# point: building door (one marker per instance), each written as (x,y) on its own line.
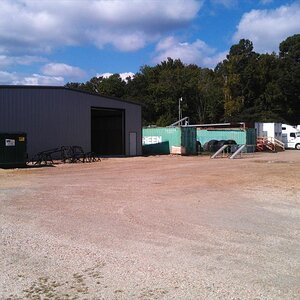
(107,131)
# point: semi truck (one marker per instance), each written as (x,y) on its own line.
(291,136)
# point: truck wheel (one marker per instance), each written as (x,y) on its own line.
(297,146)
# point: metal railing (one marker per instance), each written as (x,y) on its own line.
(231,151)
(269,143)
(180,122)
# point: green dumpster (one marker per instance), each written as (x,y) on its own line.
(13,150)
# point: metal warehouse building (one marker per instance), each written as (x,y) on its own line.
(58,116)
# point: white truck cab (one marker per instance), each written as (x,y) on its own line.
(291,136)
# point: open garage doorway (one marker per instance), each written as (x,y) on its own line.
(107,131)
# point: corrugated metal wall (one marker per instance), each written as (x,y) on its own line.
(241,137)
(53,117)
(159,140)
(204,136)
(251,136)
(189,139)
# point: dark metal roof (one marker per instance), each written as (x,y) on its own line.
(66,89)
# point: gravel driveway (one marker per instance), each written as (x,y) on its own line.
(162,227)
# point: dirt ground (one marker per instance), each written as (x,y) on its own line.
(162,227)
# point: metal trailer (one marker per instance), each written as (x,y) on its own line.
(242,136)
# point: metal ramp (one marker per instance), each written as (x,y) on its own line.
(238,151)
(221,150)
(232,155)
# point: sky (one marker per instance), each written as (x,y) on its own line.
(52,42)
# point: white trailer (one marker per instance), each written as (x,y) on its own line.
(270,130)
(269,137)
(291,136)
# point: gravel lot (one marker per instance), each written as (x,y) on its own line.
(163,227)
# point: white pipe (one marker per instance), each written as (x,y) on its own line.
(219,151)
(237,151)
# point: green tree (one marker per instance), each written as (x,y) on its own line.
(246,86)
(159,88)
(113,85)
(268,104)
(289,80)
(240,83)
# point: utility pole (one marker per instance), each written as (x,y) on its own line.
(179,110)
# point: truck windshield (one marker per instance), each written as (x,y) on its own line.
(298,134)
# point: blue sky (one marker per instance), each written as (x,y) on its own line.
(51,42)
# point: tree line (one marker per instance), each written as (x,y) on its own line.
(246,86)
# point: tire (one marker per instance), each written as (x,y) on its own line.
(205,147)
(221,143)
(213,145)
(231,142)
(297,146)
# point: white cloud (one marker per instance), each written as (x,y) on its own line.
(7,78)
(197,52)
(212,61)
(122,75)
(34,79)
(20,60)
(226,3)
(268,28)
(264,2)
(52,73)
(60,69)
(37,79)
(126,24)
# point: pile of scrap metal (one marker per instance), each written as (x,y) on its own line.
(64,154)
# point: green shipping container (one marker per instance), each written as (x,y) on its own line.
(241,137)
(159,140)
(13,150)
